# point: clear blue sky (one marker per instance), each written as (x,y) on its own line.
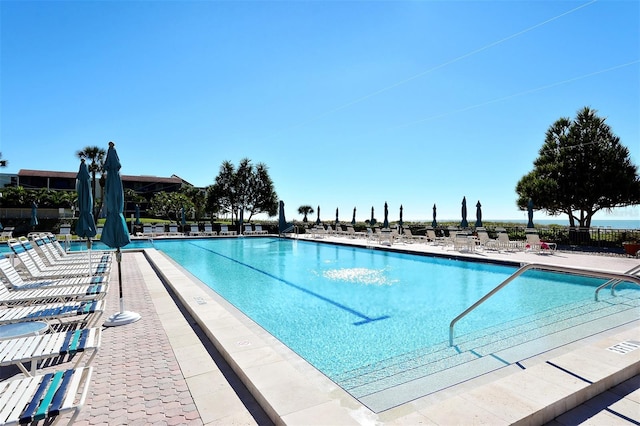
(349,103)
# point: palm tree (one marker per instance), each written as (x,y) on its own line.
(97,156)
(3,163)
(305,210)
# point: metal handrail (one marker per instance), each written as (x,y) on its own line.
(615,282)
(553,268)
(293,228)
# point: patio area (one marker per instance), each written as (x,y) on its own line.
(193,359)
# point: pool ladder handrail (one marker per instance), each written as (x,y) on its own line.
(614,282)
(553,268)
(293,228)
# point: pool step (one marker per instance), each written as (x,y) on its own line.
(432,369)
(544,391)
(478,339)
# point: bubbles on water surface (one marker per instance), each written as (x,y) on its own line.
(359,276)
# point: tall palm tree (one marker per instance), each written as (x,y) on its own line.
(96,156)
(305,210)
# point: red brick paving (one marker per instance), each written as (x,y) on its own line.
(136,379)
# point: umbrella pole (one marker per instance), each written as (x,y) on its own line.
(123,317)
(118,261)
(89,255)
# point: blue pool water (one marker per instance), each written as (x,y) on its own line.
(342,307)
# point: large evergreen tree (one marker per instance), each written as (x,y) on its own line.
(582,168)
(247,188)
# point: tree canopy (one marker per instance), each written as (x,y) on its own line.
(18,196)
(247,188)
(169,205)
(305,210)
(581,168)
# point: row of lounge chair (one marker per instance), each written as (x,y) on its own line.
(159,230)
(460,240)
(69,301)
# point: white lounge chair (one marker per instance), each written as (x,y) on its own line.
(6,233)
(411,237)
(259,231)
(432,237)
(37,268)
(385,236)
(147,231)
(44,397)
(504,243)
(349,231)
(158,230)
(77,311)
(194,230)
(208,229)
(485,241)
(70,345)
(65,229)
(173,230)
(535,244)
(224,230)
(14,280)
(318,231)
(463,242)
(248,229)
(59,252)
(44,248)
(50,294)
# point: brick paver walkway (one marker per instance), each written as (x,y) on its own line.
(136,379)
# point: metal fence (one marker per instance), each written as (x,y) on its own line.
(597,237)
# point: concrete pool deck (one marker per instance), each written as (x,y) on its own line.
(163,370)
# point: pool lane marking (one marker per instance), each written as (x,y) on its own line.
(365,319)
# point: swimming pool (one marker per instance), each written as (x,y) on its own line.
(371,319)
(374,320)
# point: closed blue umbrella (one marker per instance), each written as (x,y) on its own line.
(478,215)
(337,220)
(283,226)
(385,223)
(86,225)
(353,220)
(434,223)
(530,213)
(34,214)
(464,223)
(318,219)
(115,233)
(137,215)
(400,222)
